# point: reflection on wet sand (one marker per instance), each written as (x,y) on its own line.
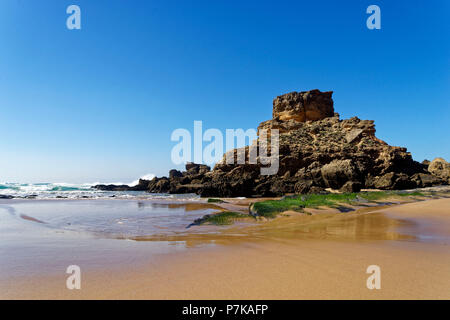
(153,221)
(357,225)
(187,206)
(25,217)
(371,226)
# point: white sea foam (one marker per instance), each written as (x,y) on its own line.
(148,176)
(77,191)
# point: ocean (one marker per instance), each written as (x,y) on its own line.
(77,191)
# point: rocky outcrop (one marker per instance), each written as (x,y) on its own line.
(189,181)
(115,187)
(317,150)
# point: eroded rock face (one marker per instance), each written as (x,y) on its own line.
(317,150)
(338,172)
(440,168)
(303,106)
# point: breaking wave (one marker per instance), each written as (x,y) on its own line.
(75,191)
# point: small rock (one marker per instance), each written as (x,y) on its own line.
(351,186)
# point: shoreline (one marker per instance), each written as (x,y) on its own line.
(243,205)
(286,258)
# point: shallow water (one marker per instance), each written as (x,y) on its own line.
(168,221)
(46,236)
(143,216)
(110,218)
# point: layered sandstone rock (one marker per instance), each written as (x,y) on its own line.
(303,106)
(317,150)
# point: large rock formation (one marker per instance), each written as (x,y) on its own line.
(317,150)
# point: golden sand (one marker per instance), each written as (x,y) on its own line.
(322,256)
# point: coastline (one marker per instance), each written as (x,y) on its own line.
(213,157)
(279,259)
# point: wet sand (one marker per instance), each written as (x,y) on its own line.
(324,256)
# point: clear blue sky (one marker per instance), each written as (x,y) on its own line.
(100,103)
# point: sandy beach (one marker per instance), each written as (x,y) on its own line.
(296,257)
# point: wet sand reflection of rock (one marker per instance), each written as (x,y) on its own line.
(332,226)
(187,206)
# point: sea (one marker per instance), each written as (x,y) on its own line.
(77,191)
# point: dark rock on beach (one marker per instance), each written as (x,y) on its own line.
(317,150)
(174,174)
(113,187)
